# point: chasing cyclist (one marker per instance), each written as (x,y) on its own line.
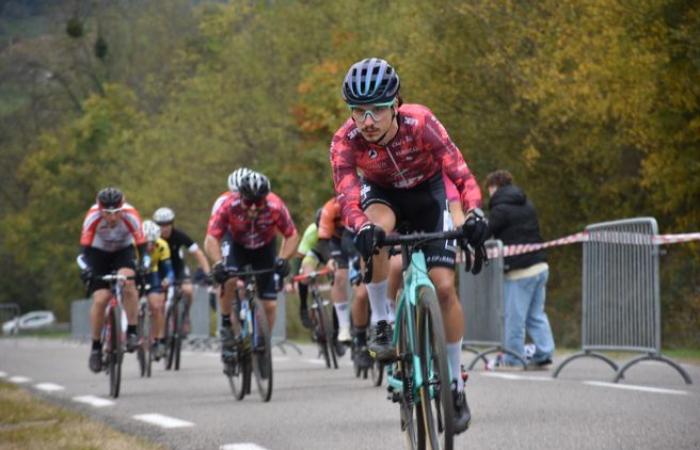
(402,151)
(158,262)
(179,242)
(110,231)
(253,216)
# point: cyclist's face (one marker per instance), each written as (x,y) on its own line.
(252,207)
(111,216)
(165,230)
(373,121)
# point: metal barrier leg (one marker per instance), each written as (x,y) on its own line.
(653,357)
(482,355)
(283,343)
(585,353)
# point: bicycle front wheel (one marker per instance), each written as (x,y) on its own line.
(262,352)
(237,372)
(435,394)
(142,351)
(170,336)
(115,353)
(403,369)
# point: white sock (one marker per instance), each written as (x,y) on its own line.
(454,356)
(377,299)
(341,309)
(391,310)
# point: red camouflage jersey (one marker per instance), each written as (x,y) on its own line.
(98,234)
(419,150)
(251,231)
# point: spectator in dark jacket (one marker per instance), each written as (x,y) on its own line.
(513,220)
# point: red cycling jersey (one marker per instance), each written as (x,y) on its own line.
(419,150)
(331,223)
(98,234)
(251,231)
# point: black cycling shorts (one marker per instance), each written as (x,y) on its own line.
(104,263)
(259,258)
(423,208)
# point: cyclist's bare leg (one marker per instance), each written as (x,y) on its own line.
(339,296)
(131,297)
(187,292)
(395,281)
(156,302)
(360,307)
(270,307)
(443,279)
(97,311)
(225,302)
(381,215)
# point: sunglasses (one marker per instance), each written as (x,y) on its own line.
(252,204)
(111,211)
(360,113)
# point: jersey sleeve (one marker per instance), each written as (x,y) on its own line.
(87,235)
(308,240)
(452,162)
(347,183)
(284,222)
(326,226)
(133,222)
(218,222)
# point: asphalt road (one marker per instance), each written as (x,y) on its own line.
(316,408)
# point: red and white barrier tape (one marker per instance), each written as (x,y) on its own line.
(610,237)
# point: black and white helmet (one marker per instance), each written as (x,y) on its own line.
(234,180)
(164,216)
(151,230)
(110,198)
(254,186)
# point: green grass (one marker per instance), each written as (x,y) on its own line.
(28,422)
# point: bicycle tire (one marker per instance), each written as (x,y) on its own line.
(115,359)
(435,394)
(141,352)
(262,358)
(149,343)
(236,377)
(320,330)
(170,336)
(376,373)
(178,339)
(409,414)
(327,317)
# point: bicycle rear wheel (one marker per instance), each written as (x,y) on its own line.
(435,394)
(411,415)
(178,337)
(236,372)
(115,353)
(262,352)
(377,373)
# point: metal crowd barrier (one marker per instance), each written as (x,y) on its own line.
(482,305)
(8,312)
(279,331)
(621,309)
(80,320)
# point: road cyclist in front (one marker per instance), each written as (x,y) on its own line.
(402,151)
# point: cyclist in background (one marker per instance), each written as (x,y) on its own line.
(160,275)
(253,216)
(110,231)
(402,151)
(179,242)
(310,260)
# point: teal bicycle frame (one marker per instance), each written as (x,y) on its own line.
(414,277)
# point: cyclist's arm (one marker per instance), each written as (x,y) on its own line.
(167,266)
(212,246)
(289,245)
(452,162)
(201,260)
(347,183)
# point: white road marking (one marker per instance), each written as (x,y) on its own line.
(163,421)
(512,376)
(244,446)
(636,388)
(92,400)
(19,379)
(280,358)
(3,374)
(49,387)
(316,361)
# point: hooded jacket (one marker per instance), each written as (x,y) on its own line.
(513,220)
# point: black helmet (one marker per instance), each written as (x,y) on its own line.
(110,198)
(254,186)
(371,80)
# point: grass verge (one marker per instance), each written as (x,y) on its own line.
(27,422)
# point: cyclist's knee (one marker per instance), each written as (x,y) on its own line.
(446,293)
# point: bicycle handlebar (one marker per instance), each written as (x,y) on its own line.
(407,239)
